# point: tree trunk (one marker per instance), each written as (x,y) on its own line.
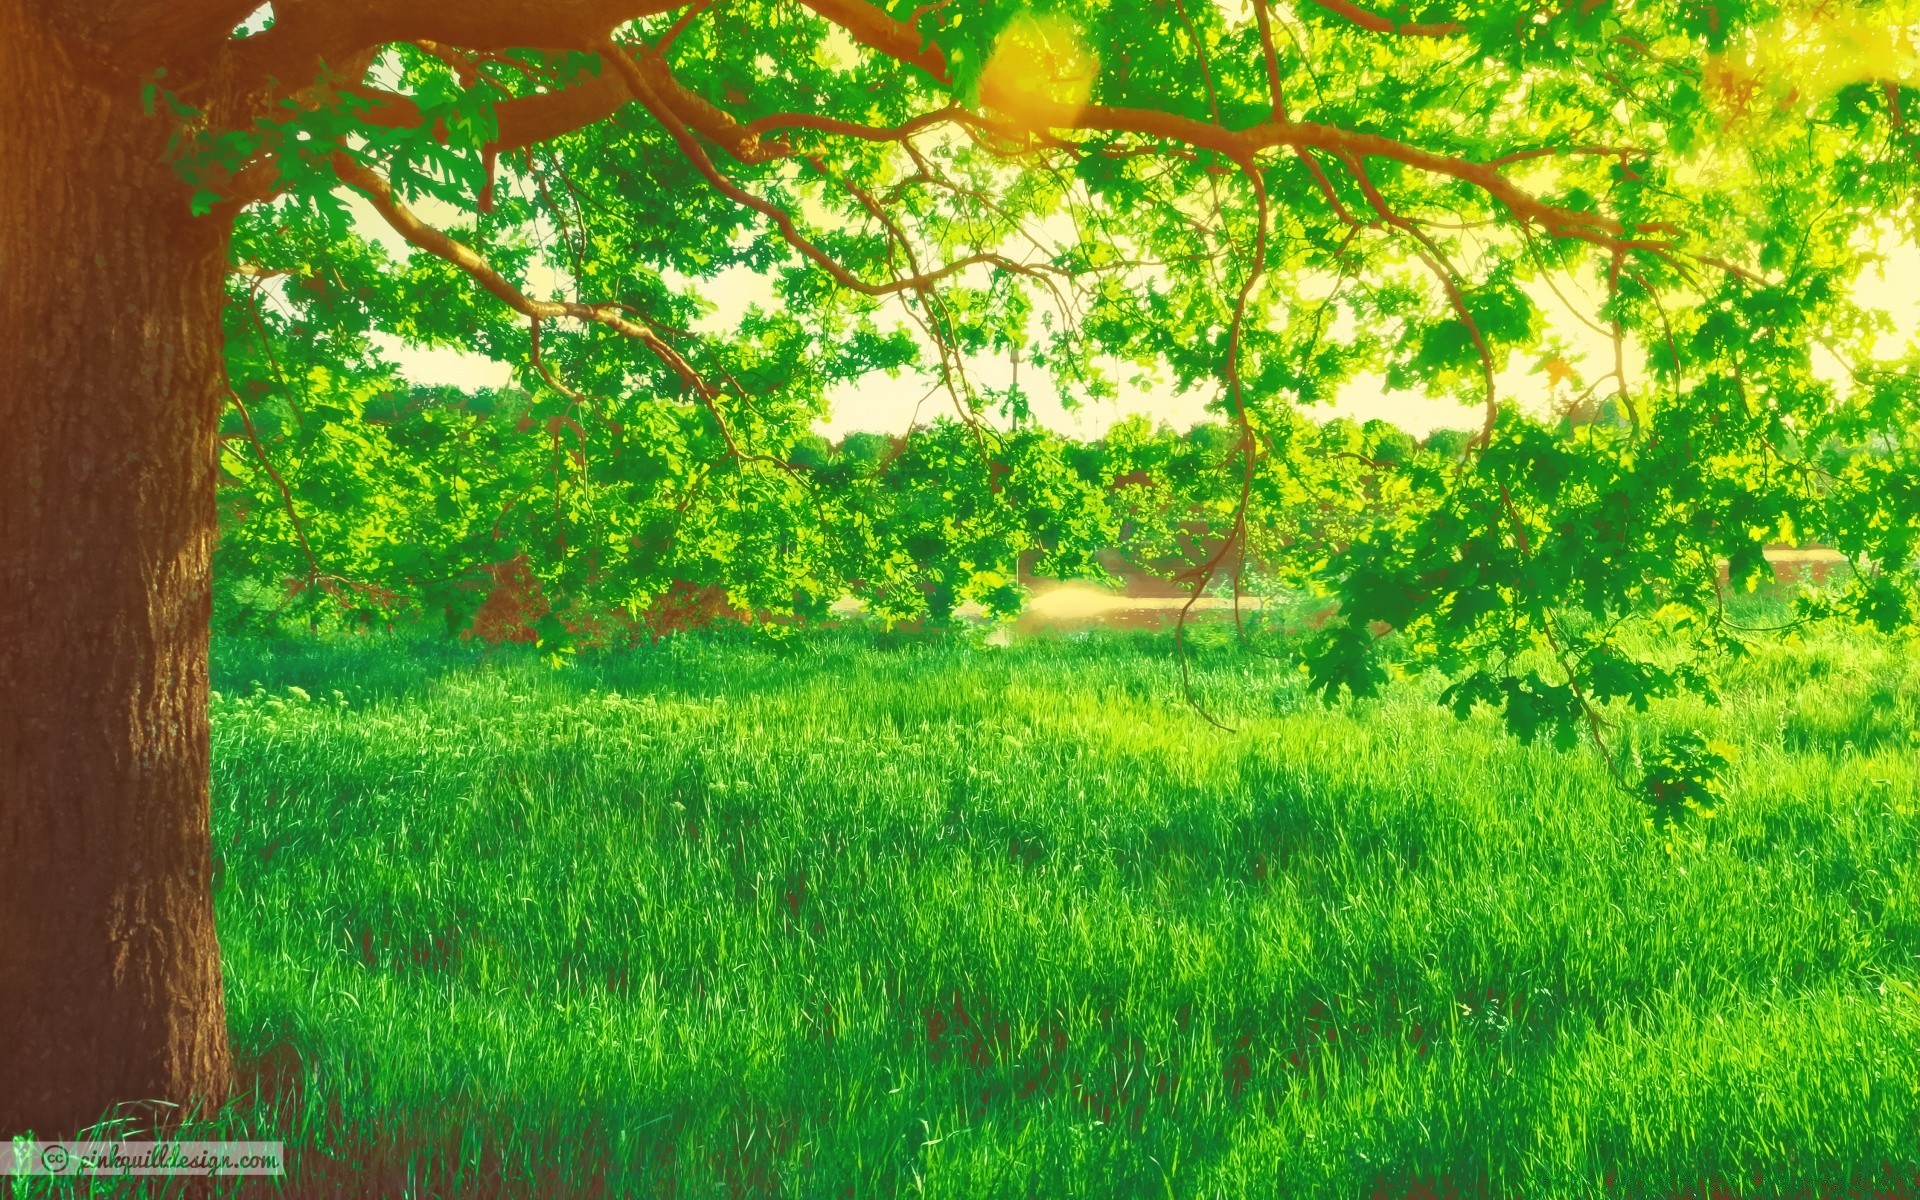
(111,386)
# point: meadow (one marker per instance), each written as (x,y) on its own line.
(858,916)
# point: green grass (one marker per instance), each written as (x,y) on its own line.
(849,920)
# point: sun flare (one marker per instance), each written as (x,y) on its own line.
(1040,74)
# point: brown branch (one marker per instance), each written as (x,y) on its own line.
(663,111)
(1546,274)
(1200,53)
(1443,270)
(1595,723)
(1249,446)
(1326,189)
(1379,24)
(1272,56)
(575,399)
(289,55)
(286,495)
(527,120)
(706,394)
(1623,153)
(521,121)
(1673,347)
(266,348)
(1618,336)
(950,114)
(939,324)
(696,112)
(870,25)
(1242,145)
(679,25)
(380,194)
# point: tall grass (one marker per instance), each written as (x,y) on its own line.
(844,919)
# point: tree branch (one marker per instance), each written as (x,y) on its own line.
(643,90)
(1242,145)
(1449,278)
(280,484)
(528,120)
(380,194)
(1379,24)
(307,33)
(869,25)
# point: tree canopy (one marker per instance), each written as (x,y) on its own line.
(1262,199)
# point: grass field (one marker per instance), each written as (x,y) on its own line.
(844,919)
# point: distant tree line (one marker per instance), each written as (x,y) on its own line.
(496,517)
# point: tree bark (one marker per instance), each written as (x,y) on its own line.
(111,386)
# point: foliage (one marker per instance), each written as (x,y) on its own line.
(1264,202)
(1687,778)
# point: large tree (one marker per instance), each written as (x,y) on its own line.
(1266,197)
